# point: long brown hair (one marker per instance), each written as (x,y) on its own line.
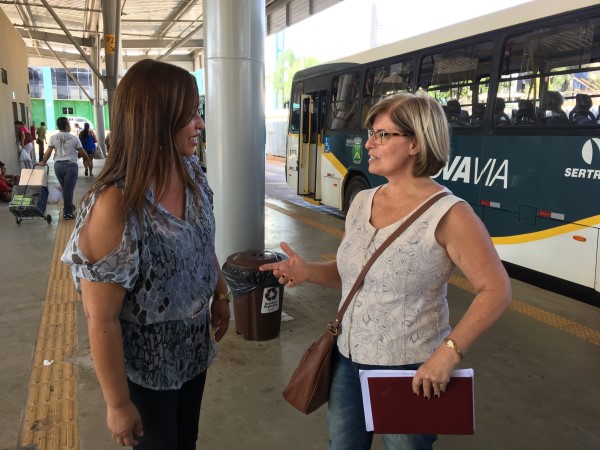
(153,101)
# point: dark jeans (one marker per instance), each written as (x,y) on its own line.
(67,173)
(170,418)
(40,149)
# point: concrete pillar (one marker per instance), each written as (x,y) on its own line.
(235,121)
(98,103)
(111,15)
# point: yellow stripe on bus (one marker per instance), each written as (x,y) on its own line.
(336,163)
(557,231)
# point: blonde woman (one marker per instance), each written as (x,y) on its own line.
(399,318)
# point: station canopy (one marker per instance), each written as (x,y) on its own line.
(170,30)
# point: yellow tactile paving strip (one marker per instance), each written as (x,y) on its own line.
(539,314)
(50,418)
(562,323)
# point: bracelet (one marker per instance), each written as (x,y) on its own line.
(222,296)
(451,344)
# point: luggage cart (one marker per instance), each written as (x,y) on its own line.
(29,200)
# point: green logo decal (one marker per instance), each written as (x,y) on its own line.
(357,151)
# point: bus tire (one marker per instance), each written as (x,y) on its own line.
(354,186)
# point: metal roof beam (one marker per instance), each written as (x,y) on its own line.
(178,44)
(75,58)
(53,37)
(176,15)
(160,43)
(46,53)
(40,5)
(68,33)
(170,58)
(91,42)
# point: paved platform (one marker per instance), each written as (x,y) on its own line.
(536,371)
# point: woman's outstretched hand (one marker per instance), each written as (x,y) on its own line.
(291,272)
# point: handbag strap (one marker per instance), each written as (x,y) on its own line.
(333,327)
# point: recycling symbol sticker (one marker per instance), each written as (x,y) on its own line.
(270,301)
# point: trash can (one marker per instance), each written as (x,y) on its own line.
(257,296)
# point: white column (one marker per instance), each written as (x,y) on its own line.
(235,121)
(98,101)
(111,15)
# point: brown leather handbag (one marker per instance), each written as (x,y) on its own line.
(308,388)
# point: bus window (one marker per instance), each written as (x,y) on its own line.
(386,80)
(344,101)
(295,109)
(546,69)
(460,79)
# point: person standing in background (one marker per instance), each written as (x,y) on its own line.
(41,140)
(32,129)
(66,167)
(107,142)
(24,142)
(88,140)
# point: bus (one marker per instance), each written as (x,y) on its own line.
(520,89)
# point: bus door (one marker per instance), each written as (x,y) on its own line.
(308,144)
(319,107)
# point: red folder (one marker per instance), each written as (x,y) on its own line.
(395,409)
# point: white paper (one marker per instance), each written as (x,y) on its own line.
(364,376)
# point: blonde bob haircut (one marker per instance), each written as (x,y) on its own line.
(423,118)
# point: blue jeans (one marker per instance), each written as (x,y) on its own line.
(346,418)
(66,172)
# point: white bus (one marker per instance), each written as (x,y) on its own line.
(521,89)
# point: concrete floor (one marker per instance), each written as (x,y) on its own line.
(536,371)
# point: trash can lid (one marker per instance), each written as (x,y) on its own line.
(252,259)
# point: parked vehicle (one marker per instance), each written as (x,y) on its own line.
(80,121)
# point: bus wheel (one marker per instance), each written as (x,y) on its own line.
(354,186)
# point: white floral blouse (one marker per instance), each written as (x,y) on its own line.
(400,314)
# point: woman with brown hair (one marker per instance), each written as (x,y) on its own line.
(143,255)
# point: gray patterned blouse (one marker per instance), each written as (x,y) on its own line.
(167,267)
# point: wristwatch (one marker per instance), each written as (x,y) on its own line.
(223,296)
(451,344)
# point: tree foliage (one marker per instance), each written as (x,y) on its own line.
(287,65)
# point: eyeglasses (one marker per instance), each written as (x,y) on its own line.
(383,134)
